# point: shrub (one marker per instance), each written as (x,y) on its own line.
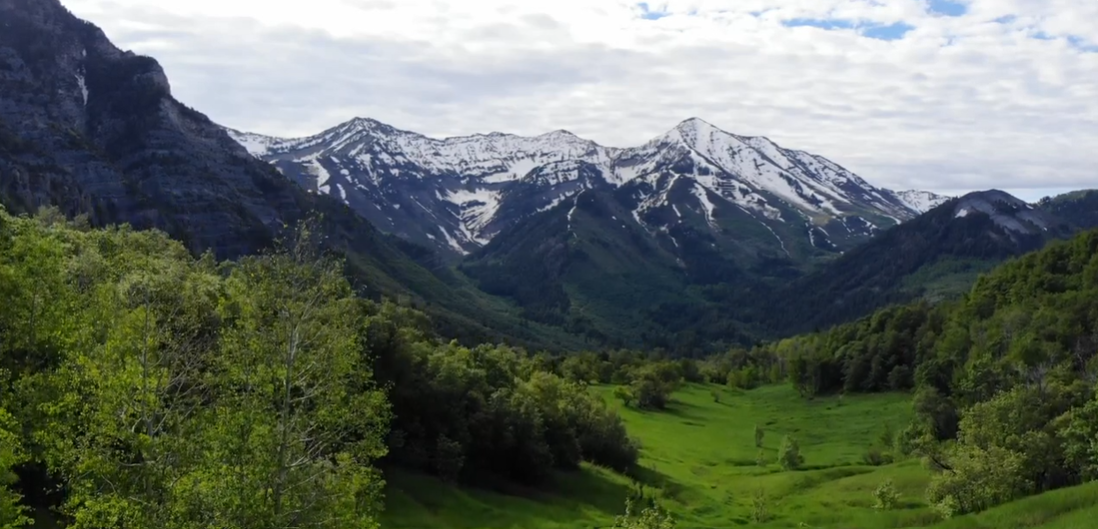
(760,508)
(760,458)
(789,455)
(886,496)
(877,457)
(647,518)
(946,507)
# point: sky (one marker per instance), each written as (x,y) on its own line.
(942,95)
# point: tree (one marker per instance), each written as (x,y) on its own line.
(297,423)
(625,395)
(759,434)
(789,455)
(121,441)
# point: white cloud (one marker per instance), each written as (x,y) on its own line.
(1002,96)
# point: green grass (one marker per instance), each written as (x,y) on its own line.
(699,456)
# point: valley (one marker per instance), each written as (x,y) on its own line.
(700,460)
(370,327)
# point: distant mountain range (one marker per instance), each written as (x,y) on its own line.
(457,194)
(694,241)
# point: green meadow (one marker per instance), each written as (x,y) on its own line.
(699,460)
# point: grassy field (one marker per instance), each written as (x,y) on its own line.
(699,457)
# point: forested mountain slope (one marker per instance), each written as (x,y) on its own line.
(1008,371)
(937,255)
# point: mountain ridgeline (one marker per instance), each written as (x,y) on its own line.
(693,241)
(620,246)
(457,194)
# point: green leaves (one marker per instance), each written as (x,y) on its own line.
(167,392)
(12,514)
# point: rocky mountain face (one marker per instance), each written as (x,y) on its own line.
(95,130)
(457,194)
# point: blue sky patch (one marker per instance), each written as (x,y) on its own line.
(874,31)
(648,13)
(818,23)
(949,8)
(1082,44)
(890,32)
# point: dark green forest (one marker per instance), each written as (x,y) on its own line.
(145,387)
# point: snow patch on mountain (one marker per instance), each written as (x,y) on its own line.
(921,201)
(703,199)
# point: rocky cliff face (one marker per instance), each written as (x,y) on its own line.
(94,129)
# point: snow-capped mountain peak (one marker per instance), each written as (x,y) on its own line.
(456,193)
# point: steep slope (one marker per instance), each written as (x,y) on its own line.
(457,194)
(95,130)
(937,254)
(1080,208)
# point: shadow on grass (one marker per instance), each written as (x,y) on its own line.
(499,504)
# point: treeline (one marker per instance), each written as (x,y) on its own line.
(471,414)
(141,386)
(1004,378)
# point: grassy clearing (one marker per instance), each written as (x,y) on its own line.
(699,457)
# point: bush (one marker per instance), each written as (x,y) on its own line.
(789,455)
(946,507)
(886,496)
(760,507)
(647,518)
(760,458)
(979,479)
(876,457)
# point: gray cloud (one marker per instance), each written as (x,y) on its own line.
(993,108)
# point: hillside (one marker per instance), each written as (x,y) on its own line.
(1079,207)
(94,130)
(937,255)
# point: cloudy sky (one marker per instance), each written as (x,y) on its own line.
(946,95)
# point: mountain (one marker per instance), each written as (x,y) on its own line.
(1078,207)
(94,130)
(921,201)
(625,246)
(457,194)
(938,254)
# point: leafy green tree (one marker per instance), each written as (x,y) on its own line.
(296,425)
(789,455)
(625,395)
